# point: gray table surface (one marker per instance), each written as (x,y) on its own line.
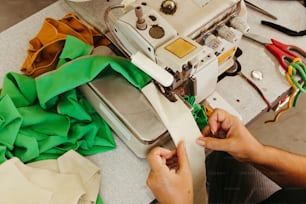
(123,174)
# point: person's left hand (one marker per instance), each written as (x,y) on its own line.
(170,178)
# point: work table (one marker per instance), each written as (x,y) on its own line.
(123,174)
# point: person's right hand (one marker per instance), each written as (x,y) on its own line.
(225,132)
(170,178)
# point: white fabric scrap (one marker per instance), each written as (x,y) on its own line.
(71,179)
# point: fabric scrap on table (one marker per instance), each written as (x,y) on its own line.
(45,48)
(70,179)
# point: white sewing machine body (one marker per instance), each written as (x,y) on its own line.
(192,42)
(190,39)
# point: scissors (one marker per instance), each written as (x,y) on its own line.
(283,52)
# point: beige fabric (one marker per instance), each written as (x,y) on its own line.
(71,179)
(16,188)
(181,125)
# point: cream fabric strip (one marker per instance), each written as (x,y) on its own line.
(72,179)
(181,125)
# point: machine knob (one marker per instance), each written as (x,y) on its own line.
(227,33)
(168,7)
(214,43)
(240,24)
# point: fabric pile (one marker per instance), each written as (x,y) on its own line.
(70,179)
(45,116)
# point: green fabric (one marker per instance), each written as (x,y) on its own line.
(198,112)
(11,121)
(45,117)
(99,200)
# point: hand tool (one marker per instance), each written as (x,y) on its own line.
(283,29)
(260,10)
(284,53)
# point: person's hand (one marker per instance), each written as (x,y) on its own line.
(225,132)
(170,178)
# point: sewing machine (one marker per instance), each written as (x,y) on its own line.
(183,45)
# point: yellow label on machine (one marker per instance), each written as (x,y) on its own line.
(226,55)
(180,47)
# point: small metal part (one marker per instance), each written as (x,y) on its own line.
(233,70)
(168,7)
(257,75)
(156,32)
(141,22)
(166,91)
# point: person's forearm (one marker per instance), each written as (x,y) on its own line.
(284,168)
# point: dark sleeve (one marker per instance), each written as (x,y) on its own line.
(287,196)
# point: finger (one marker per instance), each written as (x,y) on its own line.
(172,160)
(183,161)
(214,143)
(206,131)
(157,157)
(215,119)
(219,119)
(172,163)
(170,155)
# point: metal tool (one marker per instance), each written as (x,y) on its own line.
(260,10)
(284,53)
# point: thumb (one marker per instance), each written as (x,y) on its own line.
(214,143)
(156,158)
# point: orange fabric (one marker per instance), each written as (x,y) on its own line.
(46,47)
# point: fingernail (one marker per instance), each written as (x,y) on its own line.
(183,144)
(212,132)
(200,142)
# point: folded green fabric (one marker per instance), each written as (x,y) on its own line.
(45,117)
(198,113)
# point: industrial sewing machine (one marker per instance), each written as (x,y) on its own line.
(184,45)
